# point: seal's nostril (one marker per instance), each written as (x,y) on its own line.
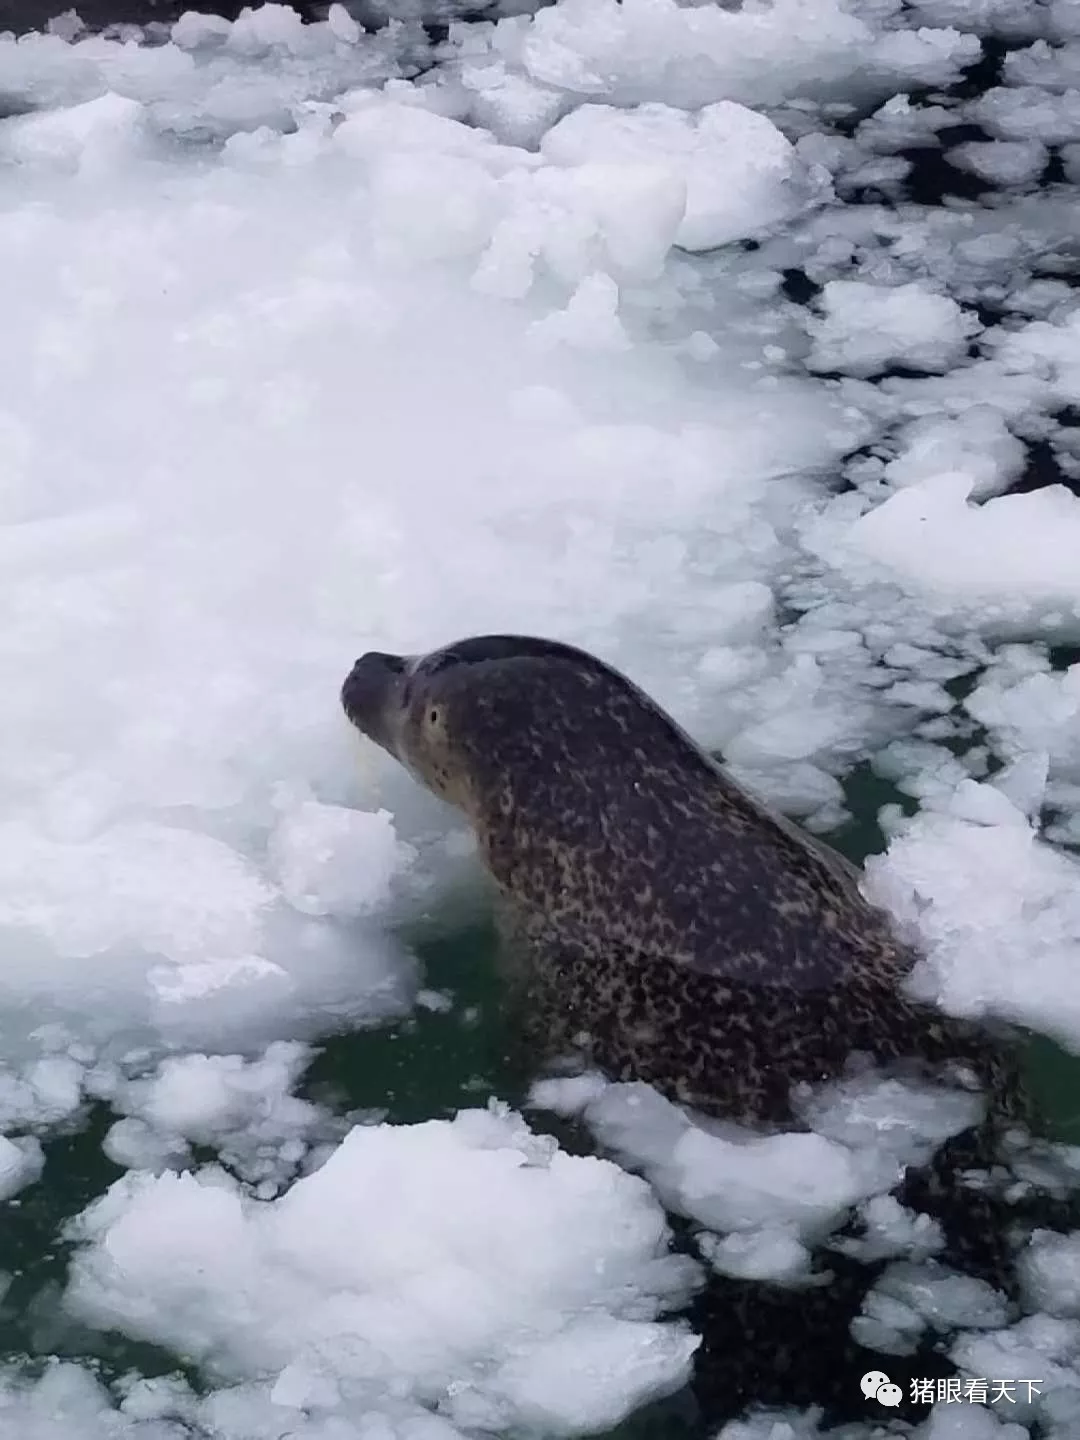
(365,689)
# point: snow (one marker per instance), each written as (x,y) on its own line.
(973,875)
(1054,67)
(1052,1273)
(21,1162)
(909,1298)
(1027,112)
(976,442)
(243,1108)
(318,340)
(415,1256)
(740,173)
(210,79)
(737,1185)
(945,1422)
(1038,1347)
(916,534)
(89,138)
(866,328)
(653,50)
(1002,162)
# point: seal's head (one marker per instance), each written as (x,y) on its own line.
(596,813)
(539,743)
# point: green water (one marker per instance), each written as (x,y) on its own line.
(429,1065)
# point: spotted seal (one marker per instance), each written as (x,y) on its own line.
(668,926)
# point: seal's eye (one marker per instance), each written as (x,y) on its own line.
(433,716)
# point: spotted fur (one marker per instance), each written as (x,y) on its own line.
(661,922)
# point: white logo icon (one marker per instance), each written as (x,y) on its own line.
(876,1385)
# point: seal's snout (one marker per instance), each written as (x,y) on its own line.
(368,690)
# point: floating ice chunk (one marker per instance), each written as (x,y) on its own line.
(741,174)
(971,877)
(741,612)
(1050,67)
(1002,162)
(616,219)
(195,31)
(1032,711)
(1050,350)
(774,1253)
(969,1422)
(1051,1273)
(264,27)
(976,443)
(212,77)
(568,1095)
(200,1095)
(342,25)
(1064,23)
(377,127)
(245,1109)
(899,125)
(441,189)
(891,1229)
(796,716)
(887,1324)
(1014,18)
(91,139)
(1005,560)
(514,108)
(171,923)
(1040,1348)
(135,1145)
(943,1299)
(63,1398)
(416,1256)
(898,1118)
(42,1093)
(739,1184)
(330,860)
(655,50)
(21,1162)
(866,328)
(945,1422)
(589,322)
(587,1378)
(429,206)
(742,1183)
(1026,112)
(172,891)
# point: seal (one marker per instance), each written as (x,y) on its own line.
(662,924)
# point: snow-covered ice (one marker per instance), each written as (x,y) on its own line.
(735,1185)
(740,173)
(245,1109)
(320,339)
(415,1257)
(866,328)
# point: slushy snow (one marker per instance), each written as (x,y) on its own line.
(414,1257)
(321,339)
(735,1185)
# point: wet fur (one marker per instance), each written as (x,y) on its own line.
(665,926)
